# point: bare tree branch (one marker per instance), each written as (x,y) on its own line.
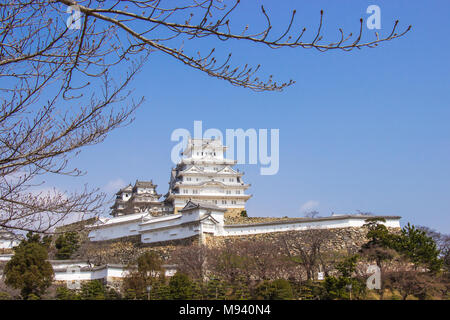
(64,88)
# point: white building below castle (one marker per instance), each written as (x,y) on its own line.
(72,272)
(201,220)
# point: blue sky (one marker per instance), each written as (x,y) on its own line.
(366,130)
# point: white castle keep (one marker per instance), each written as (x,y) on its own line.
(205,194)
(204,175)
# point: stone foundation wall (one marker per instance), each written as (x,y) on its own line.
(339,239)
(233,212)
(127,250)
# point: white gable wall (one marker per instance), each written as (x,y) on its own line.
(236,230)
(172,233)
(115,231)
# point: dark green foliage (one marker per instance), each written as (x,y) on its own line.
(47,241)
(181,287)
(66,244)
(148,273)
(244,213)
(279,289)
(446,259)
(5,296)
(419,248)
(348,266)
(197,290)
(93,290)
(215,289)
(33,296)
(112,294)
(63,293)
(412,243)
(345,286)
(309,290)
(132,294)
(29,270)
(378,234)
(336,288)
(239,290)
(160,291)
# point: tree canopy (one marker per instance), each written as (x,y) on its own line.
(29,270)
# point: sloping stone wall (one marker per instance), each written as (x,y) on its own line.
(251,220)
(233,212)
(127,250)
(340,239)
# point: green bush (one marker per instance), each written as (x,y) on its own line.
(215,289)
(181,287)
(29,270)
(343,288)
(63,293)
(66,244)
(309,290)
(93,290)
(279,289)
(5,296)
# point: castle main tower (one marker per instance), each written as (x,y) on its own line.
(204,175)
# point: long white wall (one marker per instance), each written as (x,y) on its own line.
(190,223)
(104,272)
(114,228)
(6,257)
(175,227)
(239,230)
(70,270)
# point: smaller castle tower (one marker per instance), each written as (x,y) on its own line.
(142,197)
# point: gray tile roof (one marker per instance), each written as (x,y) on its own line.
(197,204)
(144,184)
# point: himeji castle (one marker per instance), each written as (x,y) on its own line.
(206,197)
(203,175)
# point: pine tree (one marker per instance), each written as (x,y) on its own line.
(93,290)
(419,248)
(180,287)
(66,244)
(279,289)
(29,270)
